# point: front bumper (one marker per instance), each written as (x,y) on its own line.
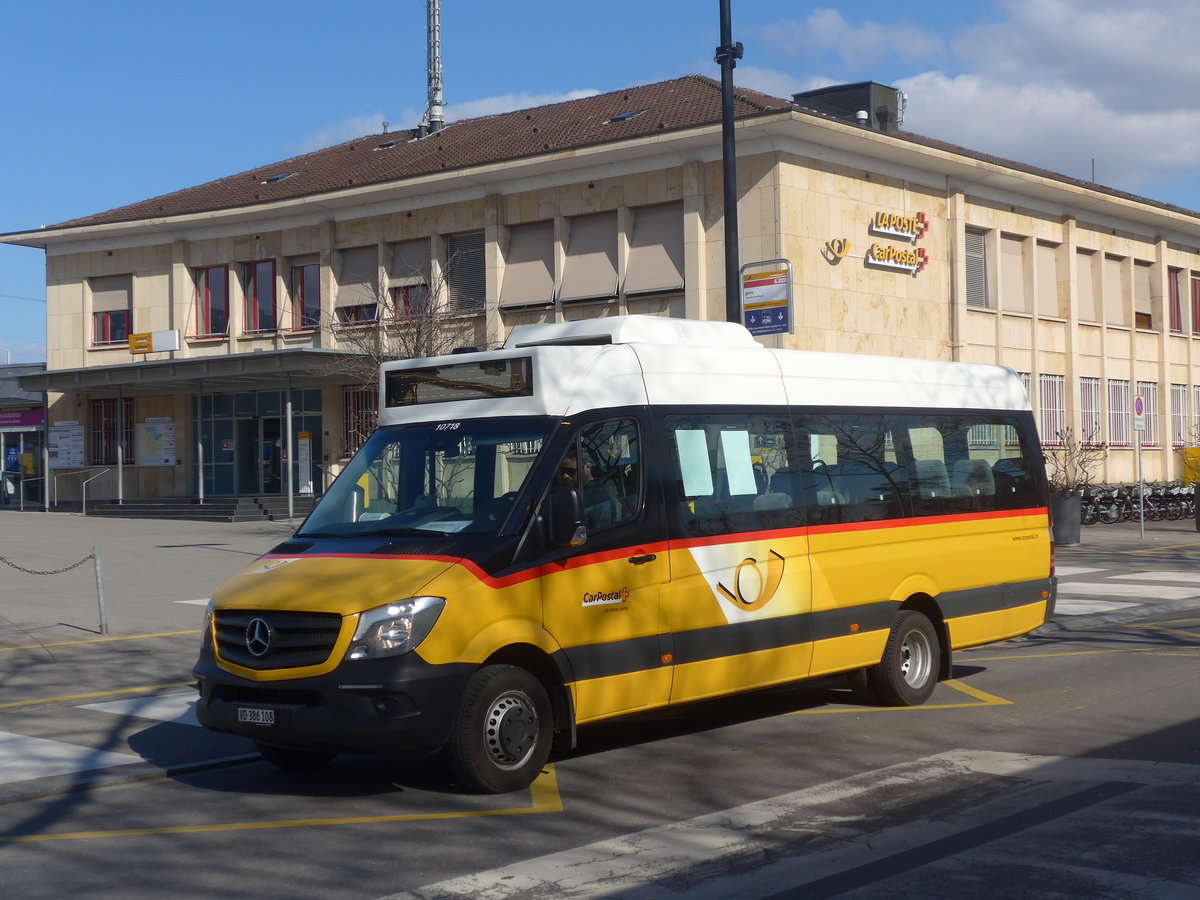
(401,704)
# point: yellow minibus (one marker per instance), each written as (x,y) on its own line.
(615,515)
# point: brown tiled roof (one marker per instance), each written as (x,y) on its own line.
(395,155)
(682,103)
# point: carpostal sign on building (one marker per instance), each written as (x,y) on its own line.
(912,228)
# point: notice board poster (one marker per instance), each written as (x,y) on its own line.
(65,446)
(155,443)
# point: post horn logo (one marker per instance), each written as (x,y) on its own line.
(766,586)
(835,249)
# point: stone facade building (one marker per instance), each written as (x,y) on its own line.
(252,296)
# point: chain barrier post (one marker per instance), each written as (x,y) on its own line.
(100,591)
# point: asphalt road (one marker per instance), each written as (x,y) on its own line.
(1065,764)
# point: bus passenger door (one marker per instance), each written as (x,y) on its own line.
(739,606)
(602,600)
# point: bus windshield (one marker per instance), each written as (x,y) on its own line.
(433,478)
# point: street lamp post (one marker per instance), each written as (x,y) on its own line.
(728,53)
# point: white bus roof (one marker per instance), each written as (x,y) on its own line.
(625,361)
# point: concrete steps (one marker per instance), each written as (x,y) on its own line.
(213,509)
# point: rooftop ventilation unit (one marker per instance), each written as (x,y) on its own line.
(865,103)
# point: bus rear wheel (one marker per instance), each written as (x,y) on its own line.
(501,738)
(908,672)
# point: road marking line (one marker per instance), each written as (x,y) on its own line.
(24,758)
(1068,606)
(1069,571)
(1108,589)
(177,708)
(99,640)
(985,699)
(544,798)
(1185,577)
(1160,549)
(132,690)
(201,602)
(710,855)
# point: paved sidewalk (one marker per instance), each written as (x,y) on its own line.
(152,571)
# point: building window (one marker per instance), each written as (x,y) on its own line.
(359,414)
(1118,413)
(260,296)
(1196,304)
(1051,298)
(1114,290)
(408,279)
(1179,415)
(108,428)
(306,296)
(359,314)
(1174,300)
(1014,296)
(1194,437)
(977,273)
(1052,421)
(1143,315)
(112,312)
(358,285)
(655,261)
(528,276)
(1089,412)
(1087,287)
(212,300)
(410,301)
(1148,391)
(466,273)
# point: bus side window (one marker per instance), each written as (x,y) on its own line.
(734,473)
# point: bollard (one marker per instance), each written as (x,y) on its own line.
(100,591)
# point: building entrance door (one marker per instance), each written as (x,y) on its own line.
(259,456)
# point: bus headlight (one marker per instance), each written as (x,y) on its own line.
(206,638)
(394,629)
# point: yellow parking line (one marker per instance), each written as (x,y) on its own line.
(99,640)
(983,698)
(544,798)
(1173,547)
(92,696)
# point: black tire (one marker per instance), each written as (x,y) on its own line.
(912,657)
(292,760)
(501,737)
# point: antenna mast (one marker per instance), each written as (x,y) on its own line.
(435,112)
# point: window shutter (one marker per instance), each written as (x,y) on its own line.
(529,265)
(976,269)
(656,249)
(466,272)
(358,277)
(590,269)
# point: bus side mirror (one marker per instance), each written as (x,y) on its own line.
(566,518)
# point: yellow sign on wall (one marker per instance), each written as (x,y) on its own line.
(141,343)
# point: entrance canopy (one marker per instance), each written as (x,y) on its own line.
(268,371)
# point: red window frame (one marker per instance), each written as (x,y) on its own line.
(206,325)
(306,309)
(110,327)
(256,298)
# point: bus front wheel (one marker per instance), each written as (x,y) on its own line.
(501,737)
(908,672)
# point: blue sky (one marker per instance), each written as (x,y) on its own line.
(108,104)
